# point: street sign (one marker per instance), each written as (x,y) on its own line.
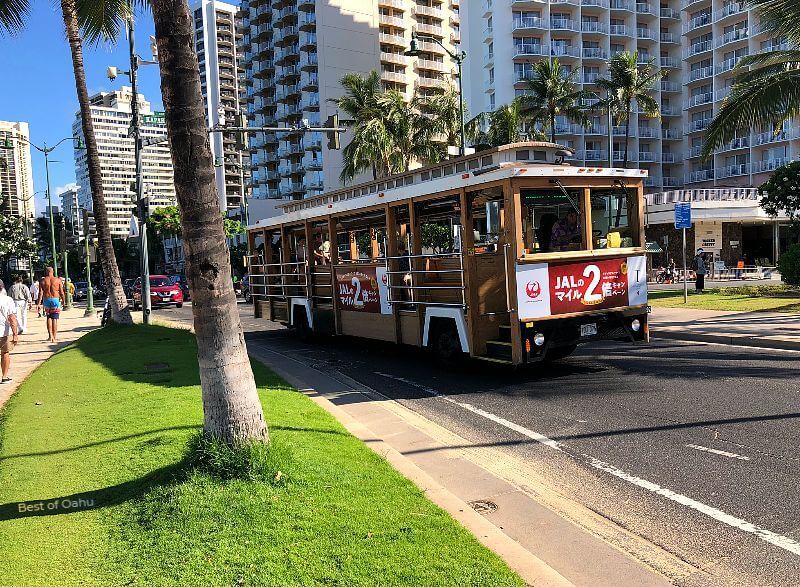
(683,215)
(154,118)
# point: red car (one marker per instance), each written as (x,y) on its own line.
(162,292)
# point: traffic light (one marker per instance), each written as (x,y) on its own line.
(241,136)
(79,143)
(334,143)
(89,225)
(6,143)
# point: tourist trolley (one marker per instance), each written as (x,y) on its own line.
(509,255)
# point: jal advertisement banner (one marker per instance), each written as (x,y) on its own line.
(362,290)
(550,289)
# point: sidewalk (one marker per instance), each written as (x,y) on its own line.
(756,329)
(33,348)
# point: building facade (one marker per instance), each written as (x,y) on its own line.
(16,173)
(111,116)
(217,42)
(295,54)
(71,208)
(697,42)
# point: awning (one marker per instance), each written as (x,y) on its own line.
(653,247)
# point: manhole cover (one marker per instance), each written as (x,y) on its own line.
(483,506)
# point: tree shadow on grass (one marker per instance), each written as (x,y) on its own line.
(101,498)
(148,354)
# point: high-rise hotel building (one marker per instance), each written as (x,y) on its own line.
(218,51)
(111,115)
(697,42)
(16,173)
(296,52)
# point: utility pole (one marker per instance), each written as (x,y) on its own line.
(46,152)
(88,222)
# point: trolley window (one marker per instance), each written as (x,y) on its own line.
(552,220)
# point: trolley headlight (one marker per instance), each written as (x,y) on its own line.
(636,325)
(538,339)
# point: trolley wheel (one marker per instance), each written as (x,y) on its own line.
(300,326)
(560,353)
(179,305)
(447,347)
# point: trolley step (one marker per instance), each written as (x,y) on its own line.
(498,349)
(505,333)
(493,360)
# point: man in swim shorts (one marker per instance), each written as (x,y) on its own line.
(51,297)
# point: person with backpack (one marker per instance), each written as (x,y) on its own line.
(700,270)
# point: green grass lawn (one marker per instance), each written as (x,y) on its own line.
(96,423)
(732,299)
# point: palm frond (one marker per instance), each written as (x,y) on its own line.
(13,14)
(102,21)
(782,17)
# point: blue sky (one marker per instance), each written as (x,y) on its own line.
(38,86)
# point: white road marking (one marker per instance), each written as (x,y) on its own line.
(712,512)
(723,453)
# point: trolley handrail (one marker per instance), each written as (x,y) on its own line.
(412,287)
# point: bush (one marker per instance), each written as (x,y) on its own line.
(254,461)
(781,192)
(789,265)
(756,291)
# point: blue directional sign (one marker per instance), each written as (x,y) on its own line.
(683,214)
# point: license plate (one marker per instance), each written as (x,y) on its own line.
(165,296)
(588,329)
(649,309)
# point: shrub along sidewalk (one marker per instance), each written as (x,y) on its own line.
(93,445)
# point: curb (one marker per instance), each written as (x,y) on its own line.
(742,340)
(528,566)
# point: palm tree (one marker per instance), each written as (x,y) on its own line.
(367,147)
(443,112)
(766,89)
(502,126)
(629,81)
(231,406)
(98,19)
(411,131)
(551,92)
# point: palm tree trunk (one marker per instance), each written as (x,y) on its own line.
(231,406)
(627,134)
(552,126)
(120,312)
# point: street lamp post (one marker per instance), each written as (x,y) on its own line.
(138,145)
(458,58)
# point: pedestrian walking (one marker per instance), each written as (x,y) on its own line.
(699,266)
(52,297)
(35,296)
(21,295)
(9,335)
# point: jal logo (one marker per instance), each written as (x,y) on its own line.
(533,289)
(385,279)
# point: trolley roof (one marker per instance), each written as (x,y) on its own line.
(528,159)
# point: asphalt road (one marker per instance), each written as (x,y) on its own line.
(693,447)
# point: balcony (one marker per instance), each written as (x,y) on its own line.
(530,22)
(622,5)
(525,50)
(394,77)
(649,132)
(698,22)
(726,65)
(620,156)
(670,87)
(596,130)
(309,81)
(700,99)
(594,3)
(420,9)
(645,34)
(391,21)
(737,143)
(670,13)
(732,37)
(669,63)
(701,73)
(733,170)
(770,137)
(568,129)
(648,157)
(432,82)
(429,29)
(564,24)
(397,58)
(307,41)
(671,134)
(565,51)
(699,125)
(308,21)
(730,10)
(668,157)
(697,49)
(620,30)
(669,38)
(645,8)
(701,175)
(432,65)
(397,40)
(308,61)
(594,53)
(594,27)
(769,165)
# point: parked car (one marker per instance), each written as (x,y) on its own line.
(162,292)
(81,291)
(184,285)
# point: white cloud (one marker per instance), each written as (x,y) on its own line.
(61,189)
